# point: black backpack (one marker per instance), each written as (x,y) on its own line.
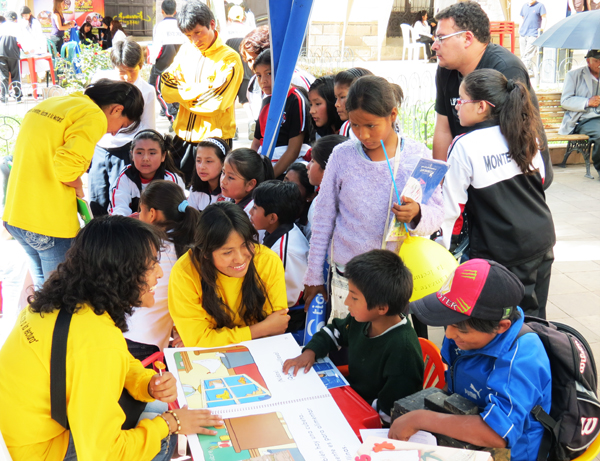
(572,424)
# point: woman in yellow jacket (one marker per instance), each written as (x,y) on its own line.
(228,288)
(111,267)
(54,148)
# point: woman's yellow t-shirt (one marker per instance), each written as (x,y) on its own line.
(195,326)
(99,366)
(55,145)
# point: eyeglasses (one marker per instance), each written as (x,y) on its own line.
(459,102)
(441,38)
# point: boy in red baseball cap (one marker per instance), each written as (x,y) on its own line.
(504,375)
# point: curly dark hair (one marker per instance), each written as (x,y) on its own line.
(217,222)
(468,16)
(256,41)
(105,269)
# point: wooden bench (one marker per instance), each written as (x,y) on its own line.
(552,114)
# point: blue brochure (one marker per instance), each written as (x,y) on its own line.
(426,176)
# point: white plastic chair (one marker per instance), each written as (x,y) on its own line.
(410,44)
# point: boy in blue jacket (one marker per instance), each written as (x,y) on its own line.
(504,376)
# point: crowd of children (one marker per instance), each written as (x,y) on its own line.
(248,237)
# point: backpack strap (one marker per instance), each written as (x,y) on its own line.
(540,414)
(58,369)
(522,332)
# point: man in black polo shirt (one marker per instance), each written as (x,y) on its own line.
(462,44)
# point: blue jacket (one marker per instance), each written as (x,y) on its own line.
(506,379)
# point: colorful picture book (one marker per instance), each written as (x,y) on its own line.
(267,415)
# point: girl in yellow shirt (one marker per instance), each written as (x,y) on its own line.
(228,288)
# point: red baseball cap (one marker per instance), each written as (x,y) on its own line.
(479,288)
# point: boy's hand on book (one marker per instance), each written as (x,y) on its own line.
(407,212)
(306,360)
(196,421)
(163,387)
(407,425)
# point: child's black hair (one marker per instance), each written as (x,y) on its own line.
(127,53)
(347,77)
(518,117)
(168,6)
(250,165)
(221,149)
(383,280)
(282,198)
(194,13)
(264,58)
(324,88)
(302,171)
(105,92)
(166,146)
(487,326)
(375,95)
(181,226)
(324,146)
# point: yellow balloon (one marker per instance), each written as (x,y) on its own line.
(429,262)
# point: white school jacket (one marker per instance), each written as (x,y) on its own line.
(291,246)
(125,193)
(153,325)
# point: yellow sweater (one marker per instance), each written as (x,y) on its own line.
(55,145)
(98,367)
(205,86)
(195,326)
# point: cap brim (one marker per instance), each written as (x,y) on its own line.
(431,311)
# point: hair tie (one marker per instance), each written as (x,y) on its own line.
(216,143)
(510,85)
(182,206)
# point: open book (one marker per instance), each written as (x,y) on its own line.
(267,415)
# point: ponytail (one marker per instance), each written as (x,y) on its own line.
(518,118)
(181,220)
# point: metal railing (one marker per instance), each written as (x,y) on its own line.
(321,61)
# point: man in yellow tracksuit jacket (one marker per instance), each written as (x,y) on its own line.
(204,79)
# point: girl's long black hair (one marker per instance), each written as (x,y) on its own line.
(519,119)
(324,87)
(105,269)
(181,226)
(217,222)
